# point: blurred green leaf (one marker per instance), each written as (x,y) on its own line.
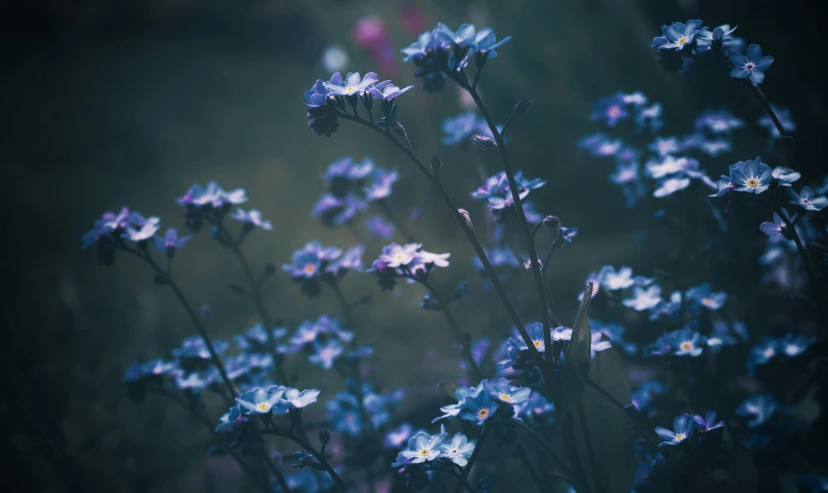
(576,359)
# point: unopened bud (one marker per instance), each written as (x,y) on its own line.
(523,106)
(324,437)
(483,142)
(436,163)
(467,217)
(551,222)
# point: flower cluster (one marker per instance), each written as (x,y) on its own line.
(433,449)
(463,127)
(686,425)
(327,101)
(315,264)
(352,186)
(488,402)
(407,262)
(322,339)
(442,53)
(113,230)
(357,410)
(498,195)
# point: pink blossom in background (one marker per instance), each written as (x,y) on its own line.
(413,20)
(370,34)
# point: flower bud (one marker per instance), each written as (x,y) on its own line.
(467,217)
(324,437)
(483,142)
(523,106)
(436,163)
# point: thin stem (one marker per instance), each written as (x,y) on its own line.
(386,209)
(455,212)
(463,341)
(263,484)
(590,449)
(521,215)
(256,292)
(461,483)
(787,140)
(202,331)
(556,459)
(577,466)
(809,269)
(307,446)
(360,397)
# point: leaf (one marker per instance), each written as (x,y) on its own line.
(608,427)
(576,359)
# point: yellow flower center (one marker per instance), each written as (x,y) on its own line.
(614,111)
(752,183)
(680,437)
(505,397)
(708,302)
(310,269)
(682,41)
(769,352)
(262,407)
(686,346)
(538,343)
(483,414)
(350,89)
(424,452)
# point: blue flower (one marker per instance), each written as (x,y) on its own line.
(485,42)
(320,330)
(461,127)
(325,354)
(170,242)
(458,450)
(536,406)
(751,176)
(643,299)
(708,422)
(793,345)
(379,228)
(596,344)
(211,196)
(759,408)
(805,199)
(777,230)
(479,407)
(706,298)
(298,399)
(718,122)
(609,110)
(230,419)
(687,342)
(614,280)
(599,144)
(497,193)
(705,38)
(649,117)
(322,112)
(677,36)
(386,91)
(314,263)
(194,347)
(396,437)
(683,428)
(665,146)
(423,447)
(785,176)
(252,218)
(263,401)
(140,229)
(504,391)
(352,85)
(643,397)
(761,353)
(751,65)
(406,261)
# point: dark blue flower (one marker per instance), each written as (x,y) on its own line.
(643,397)
(352,85)
(759,408)
(708,422)
(793,345)
(314,264)
(677,36)
(171,240)
(705,297)
(598,144)
(785,176)
(718,122)
(683,428)
(252,217)
(806,199)
(140,229)
(505,392)
(610,110)
(777,230)
(379,228)
(751,176)
(212,195)
(723,34)
(322,111)
(463,126)
(497,193)
(751,65)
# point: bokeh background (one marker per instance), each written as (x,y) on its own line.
(108,103)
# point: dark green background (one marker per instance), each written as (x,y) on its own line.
(107,104)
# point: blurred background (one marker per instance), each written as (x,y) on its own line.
(108,103)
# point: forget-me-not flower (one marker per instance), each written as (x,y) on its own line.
(751,65)
(683,428)
(806,199)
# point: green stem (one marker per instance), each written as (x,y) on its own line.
(461,221)
(307,446)
(461,483)
(458,334)
(521,215)
(590,449)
